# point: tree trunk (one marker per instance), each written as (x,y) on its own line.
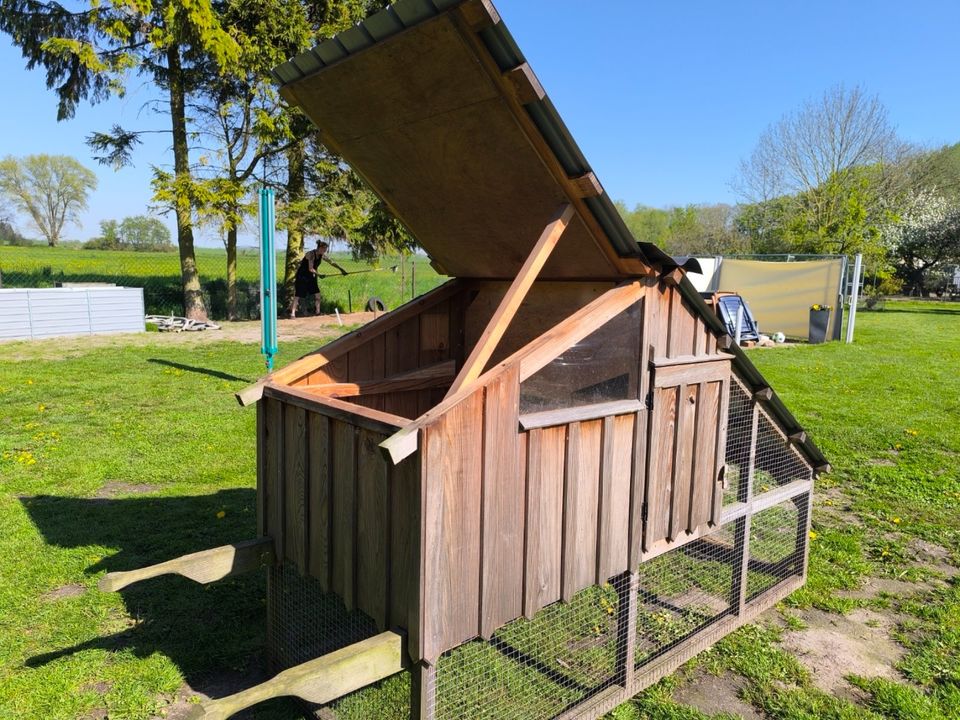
(193,305)
(296,186)
(232,274)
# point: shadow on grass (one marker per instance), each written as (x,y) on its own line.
(200,370)
(203,629)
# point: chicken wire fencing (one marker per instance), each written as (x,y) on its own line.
(739,440)
(227,294)
(560,662)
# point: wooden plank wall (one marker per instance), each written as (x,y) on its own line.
(434,335)
(340,511)
(515,521)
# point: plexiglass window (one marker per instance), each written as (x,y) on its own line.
(604,366)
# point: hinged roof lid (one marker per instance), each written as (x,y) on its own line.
(434,105)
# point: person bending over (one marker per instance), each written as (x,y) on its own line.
(305,283)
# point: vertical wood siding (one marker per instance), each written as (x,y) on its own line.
(339,511)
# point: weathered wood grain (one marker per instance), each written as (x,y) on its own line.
(320,500)
(705,458)
(275,471)
(406,571)
(501,576)
(615,474)
(544,523)
(663,422)
(581,505)
(373,528)
(295,491)
(344,544)
(204,567)
(683,461)
(451,527)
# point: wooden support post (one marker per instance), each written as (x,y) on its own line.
(203,567)
(764,393)
(626,586)
(423,691)
(508,307)
(318,681)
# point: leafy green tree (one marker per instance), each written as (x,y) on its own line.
(108,239)
(89,53)
(924,237)
(51,189)
(143,233)
(823,178)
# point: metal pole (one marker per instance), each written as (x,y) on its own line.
(736,336)
(268,278)
(854,296)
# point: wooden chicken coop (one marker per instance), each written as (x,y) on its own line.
(547,482)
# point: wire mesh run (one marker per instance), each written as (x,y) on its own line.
(778,538)
(540,667)
(739,427)
(304,622)
(776,462)
(683,591)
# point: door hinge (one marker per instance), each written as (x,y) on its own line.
(650,400)
(643,512)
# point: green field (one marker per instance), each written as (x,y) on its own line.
(159,276)
(122,452)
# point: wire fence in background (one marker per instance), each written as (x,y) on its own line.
(394,281)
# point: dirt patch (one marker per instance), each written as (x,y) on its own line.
(213,685)
(834,646)
(321,327)
(874,587)
(116,487)
(65,591)
(932,557)
(712,694)
(96,714)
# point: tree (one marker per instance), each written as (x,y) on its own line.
(89,53)
(51,189)
(924,237)
(827,174)
(143,233)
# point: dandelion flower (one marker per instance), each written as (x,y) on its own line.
(813,535)
(221,515)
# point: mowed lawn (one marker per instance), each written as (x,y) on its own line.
(118,454)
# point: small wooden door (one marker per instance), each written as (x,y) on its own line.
(685,452)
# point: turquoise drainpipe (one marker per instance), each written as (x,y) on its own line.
(268,278)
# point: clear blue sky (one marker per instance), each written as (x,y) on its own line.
(664,98)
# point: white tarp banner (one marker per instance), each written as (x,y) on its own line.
(780,293)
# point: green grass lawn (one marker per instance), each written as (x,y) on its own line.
(122,453)
(159,275)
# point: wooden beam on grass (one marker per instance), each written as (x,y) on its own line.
(319,681)
(203,567)
(512,299)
